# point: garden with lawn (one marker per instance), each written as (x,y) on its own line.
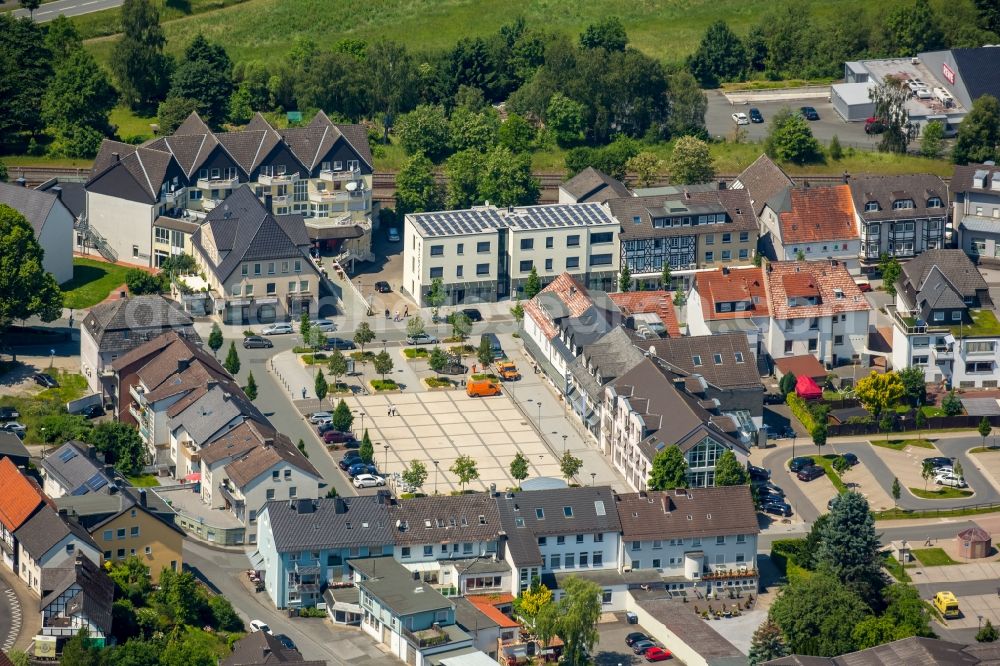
(92,282)
(44,413)
(933,557)
(941,493)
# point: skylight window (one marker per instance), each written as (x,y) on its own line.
(718,359)
(696,360)
(568,511)
(599,508)
(540,514)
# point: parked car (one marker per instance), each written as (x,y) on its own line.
(640,647)
(874,126)
(765,497)
(286,642)
(277,329)
(349,459)
(740,118)
(337,437)
(938,461)
(338,343)
(361,468)
(324,325)
(8,414)
(770,488)
(756,116)
(800,463)
(256,342)
(92,411)
(18,429)
(657,654)
(46,380)
(864,287)
(260,625)
(774,399)
(473,314)
(421,339)
(392,235)
(634,637)
(950,480)
(851,458)
(758,473)
(808,113)
(382,287)
(810,473)
(782,509)
(368,481)
(324,427)
(320,417)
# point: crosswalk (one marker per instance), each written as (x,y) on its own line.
(15,619)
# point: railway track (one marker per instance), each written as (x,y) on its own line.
(35,176)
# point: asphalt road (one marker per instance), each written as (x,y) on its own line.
(915,534)
(50,10)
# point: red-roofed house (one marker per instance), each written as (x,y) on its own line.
(818,222)
(816,309)
(19,500)
(726,300)
(643,305)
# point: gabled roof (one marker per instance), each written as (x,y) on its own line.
(784,279)
(564,297)
(919,187)
(34,205)
(236,442)
(659,303)
(212,412)
(735,285)
(607,358)
(937,293)
(261,459)
(78,468)
(978,67)
(190,150)
(762,180)
(815,214)
(242,229)
(126,323)
(193,124)
(96,595)
(19,498)
(260,648)
(914,650)
(438,519)
(306,524)
(636,214)
(73,196)
(46,529)
(93,511)
(963,178)
(682,514)
(250,147)
(11,446)
(718,359)
(136,172)
(395,587)
(954,265)
(594,185)
(583,510)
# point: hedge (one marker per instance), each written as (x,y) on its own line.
(800,408)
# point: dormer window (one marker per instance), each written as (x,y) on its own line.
(934,202)
(902,204)
(871,207)
(696,360)
(718,359)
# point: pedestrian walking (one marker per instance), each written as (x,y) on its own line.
(406,311)
(388,411)
(303,392)
(396,318)
(387,313)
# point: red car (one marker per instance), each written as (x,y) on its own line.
(657,654)
(864,287)
(337,437)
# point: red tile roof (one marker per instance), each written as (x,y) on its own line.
(570,292)
(739,284)
(18,497)
(784,279)
(819,214)
(487,605)
(659,302)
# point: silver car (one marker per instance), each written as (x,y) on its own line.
(277,329)
(324,325)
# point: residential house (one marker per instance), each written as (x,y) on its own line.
(697,539)
(696,228)
(76,469)
(727,300)
(762,181)
(649,314)
(816,308)
(562,320)
(452,542)
(487,253)
(915,649)
(900,216)
(143,201)
(46,540)
(19,500)
(261,648)
(647,409)
(591,185)
(13,448)
(256,264)
(571,530)
(129,522)
(77,597)
(409,617)
(487,618)
(71,192)
(223,450)
(943,321)
(112,329)
(811,223)
(975,210)
(305,544)
(52,223)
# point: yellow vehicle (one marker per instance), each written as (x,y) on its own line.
(947,605)
(507,370)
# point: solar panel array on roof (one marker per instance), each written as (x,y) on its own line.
(67,455)
(96,482)
(477,220)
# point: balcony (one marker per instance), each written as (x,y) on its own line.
(218,183)
(227,493)
(427,637)
(210,204)
(944,352)
(334,196)
(339,176)
(281,200)
(730,574)
(173,198)
(137,394)
(278,179)
(135,412)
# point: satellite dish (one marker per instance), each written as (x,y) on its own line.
(352,186)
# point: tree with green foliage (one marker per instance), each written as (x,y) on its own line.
(665,275)
(885,424)
(840,464)
(215,339)
(932,140)
(337,366)
(819,434)
(342,418)
(608,34)
(531,602)
(205,74)
(19,658)
(912,28)
(564,118)
(173,111)
(729,471)
(224,616)
(669,470)
(436,297)
(978,137)
(516,133)
(927,471)
(232,362)
(533,284)
(463,171)
(573,618)
(301,445)
(890,98)
(896,491)
(414,326)
(905,615)
(624,279)
(817,616)
(767,644)
(920,422)
(985,428)
(484,353)
(76,105)
(141,69)
(3,172)
(787,383)
(415,475)
(465,469)
(367,449)
(132,579)
(518,311)
(688,104)
(507,179)
(316,338)
(987,633)
(179,596)
(424,130)
(808,554)
(62,37)
(320,387)
(140,282)
(519,468)
(363,335)
(959,472)
(951,404)
(81,650)
(890,270)
(691,162)
(879,392)
(850,547)
(646,166)
(251,388)
(789,139)
(31,6)
(461,325)
(569,465)
(24,77)
(417,189)
(382,363)
(835,150)
(26,288)
(241,104)
(122,443)
(437,360)
(473,130)
(721,56)
(304,326)
(914,383)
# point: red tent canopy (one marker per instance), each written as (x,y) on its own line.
(807,389)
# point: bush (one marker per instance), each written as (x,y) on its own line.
(223,615)
(784,551)
(801,410)
(384,384)
(140,282)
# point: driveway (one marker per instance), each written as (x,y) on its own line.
(611,649)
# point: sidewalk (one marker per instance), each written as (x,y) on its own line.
(24,615)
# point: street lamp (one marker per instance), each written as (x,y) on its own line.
(593,478)
(436,466)
(793,444)
(564,443)
(386,467)
(361,413)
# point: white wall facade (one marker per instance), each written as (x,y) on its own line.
(127,226)
(668,555)
(828,338)
(600,546)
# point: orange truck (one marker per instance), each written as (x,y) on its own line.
(507,370)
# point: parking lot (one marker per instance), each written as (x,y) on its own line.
(611,649)
(387,266)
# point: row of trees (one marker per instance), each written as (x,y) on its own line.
(465,469)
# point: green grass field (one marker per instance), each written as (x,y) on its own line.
(933,557)
(900,444)
(92,282)
(941,493)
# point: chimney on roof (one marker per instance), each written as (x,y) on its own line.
(91,452)
(666,503)
(725,270)
(805,184)
(183,364)
(268,442)
(142,496)
(22,182)
(687,195)
(123,294)
(115,157)
(679,384)
(63,513)
(109,471)
(339,505)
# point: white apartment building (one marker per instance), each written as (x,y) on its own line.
(487,253)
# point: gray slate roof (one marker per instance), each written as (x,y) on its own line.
(591,510)
(679,353)
(683,514)
(45,529)
(33,204)
(209,415)
(735,203)
(94,510)
(122,325)
(137,173)
(954,265)
(886,189)
(608,357)
(394,585)
(594,185)
(762,180)
(244,230)
(97,591)
(78,468)
(11,446)
(962,179)
(74,194)
(329,523)
(445,518)
(260,648)
(913,650)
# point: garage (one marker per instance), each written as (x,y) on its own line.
(851,101)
